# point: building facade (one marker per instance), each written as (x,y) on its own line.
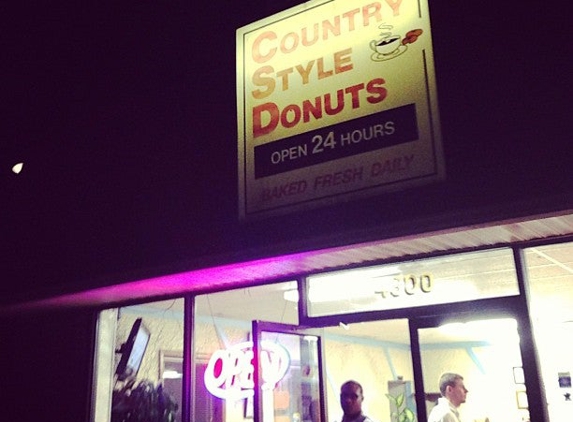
(470,274)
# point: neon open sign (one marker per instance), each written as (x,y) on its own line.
(229,373)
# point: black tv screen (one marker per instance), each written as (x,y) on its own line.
(132,351)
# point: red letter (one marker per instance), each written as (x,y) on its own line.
(296,113)
(374,87)
(354,91)
(343,61)
(258,128)
(330,110)
(260,80)
(350,15)
(257,56)
(371,11)
(395,5)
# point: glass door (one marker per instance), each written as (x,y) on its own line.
(288,374)
(486,353)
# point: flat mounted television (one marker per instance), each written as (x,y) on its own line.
(132,351)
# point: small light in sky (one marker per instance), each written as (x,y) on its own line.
(17,168)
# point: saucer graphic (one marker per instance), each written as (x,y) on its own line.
(377,57)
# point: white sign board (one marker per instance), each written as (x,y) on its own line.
(336,100)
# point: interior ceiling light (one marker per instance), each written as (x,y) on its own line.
(17,168)
(171,374)
(493,330)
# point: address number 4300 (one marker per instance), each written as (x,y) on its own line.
(409,284)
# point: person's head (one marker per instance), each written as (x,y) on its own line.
(452,387)
(351,398)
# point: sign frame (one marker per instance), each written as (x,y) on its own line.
(336,101)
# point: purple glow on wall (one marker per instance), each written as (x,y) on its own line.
(222,276)
(292,265)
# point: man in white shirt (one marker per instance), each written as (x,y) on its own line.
(454,394)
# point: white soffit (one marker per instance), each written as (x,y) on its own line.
(503,233)
(292,265)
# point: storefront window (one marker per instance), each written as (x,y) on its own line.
(448,279)
(223,382)
(550,274)
(141,346)
(376,353)
(139,353)
(486,353)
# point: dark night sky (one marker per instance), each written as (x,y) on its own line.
(124,115)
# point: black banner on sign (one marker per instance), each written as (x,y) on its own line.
(369,133)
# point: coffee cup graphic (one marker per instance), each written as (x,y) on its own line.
(387,45)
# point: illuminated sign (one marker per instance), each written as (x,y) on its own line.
(336,100)
(229,373)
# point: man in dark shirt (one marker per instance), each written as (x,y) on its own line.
(351,397)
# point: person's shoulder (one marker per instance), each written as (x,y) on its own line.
(442,417)
(438,413)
